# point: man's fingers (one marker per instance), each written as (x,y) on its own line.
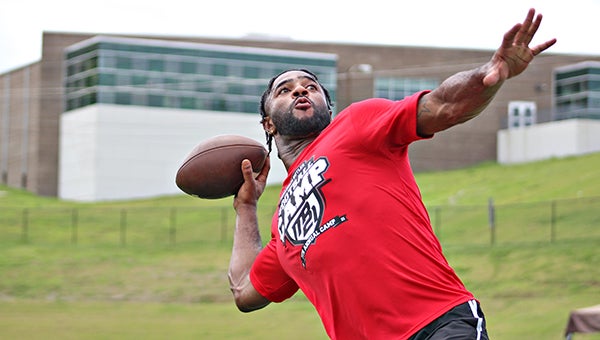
(509,37)
(262,176)
(525,34)
(542,47)
(534,27)
(247,170)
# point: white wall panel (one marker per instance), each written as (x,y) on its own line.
(554,139)
(112,152)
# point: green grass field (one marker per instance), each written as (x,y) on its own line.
(147,288)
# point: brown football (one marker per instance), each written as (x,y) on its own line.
(213,168)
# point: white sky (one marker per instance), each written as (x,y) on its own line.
(440,23)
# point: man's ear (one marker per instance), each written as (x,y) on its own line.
(268,126)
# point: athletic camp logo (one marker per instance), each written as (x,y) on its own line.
(302,205)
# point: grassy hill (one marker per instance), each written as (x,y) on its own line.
(554,179)
(52,287)
(564,178)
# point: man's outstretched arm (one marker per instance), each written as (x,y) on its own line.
(465,94)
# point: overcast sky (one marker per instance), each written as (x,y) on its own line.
(442,23)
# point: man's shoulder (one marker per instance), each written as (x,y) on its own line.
(378,104)
(372,102)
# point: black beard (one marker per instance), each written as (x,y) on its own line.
(289,125)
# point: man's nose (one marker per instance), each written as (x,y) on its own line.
(300,91)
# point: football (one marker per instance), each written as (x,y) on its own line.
(213,168)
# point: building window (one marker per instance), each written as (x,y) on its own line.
(155,100)
(139,99)
(166,74)
(188,103)
(172,66)
(251,72)
(395,88)
(219,70)
(156,65)
(123,98)
(235,89)
(139,64)
(250,106)
(521,114)
(90,64)
(187,67)
(107,79)
(137,80)
(577,91)
(91,80)
(123,63)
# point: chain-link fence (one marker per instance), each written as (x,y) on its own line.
(485,224)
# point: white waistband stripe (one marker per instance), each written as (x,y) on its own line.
(473,305)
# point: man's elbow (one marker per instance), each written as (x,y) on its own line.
(244,308)
(247,303)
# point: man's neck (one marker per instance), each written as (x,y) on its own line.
(289,148)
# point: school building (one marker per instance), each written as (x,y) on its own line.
(107,117)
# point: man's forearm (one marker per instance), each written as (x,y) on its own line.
(247,244)
(466,94)
(458,99)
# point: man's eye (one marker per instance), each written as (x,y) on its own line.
(311,87)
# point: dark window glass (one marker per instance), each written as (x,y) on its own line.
(138,80)
(235,89)
(219,104)
(123,98)
(155,100)
(188,102)
(71,104)
(90,64)
(250,106)
(107,79)
(594,85)
(251,72)
(91,80)
(139,64)
(571,74)
(124,63)
(156,65)
(219,70)
(71,70)
(187,67)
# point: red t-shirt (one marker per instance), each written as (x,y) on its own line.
(352,233)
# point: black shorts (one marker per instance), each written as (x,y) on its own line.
(465,321)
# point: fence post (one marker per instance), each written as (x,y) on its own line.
(74,225)
(123,227)
(223,224)
(173,226)
(437,223)
(25,225)
(492,220)
(553,222)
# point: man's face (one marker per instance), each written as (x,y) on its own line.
(297,105)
